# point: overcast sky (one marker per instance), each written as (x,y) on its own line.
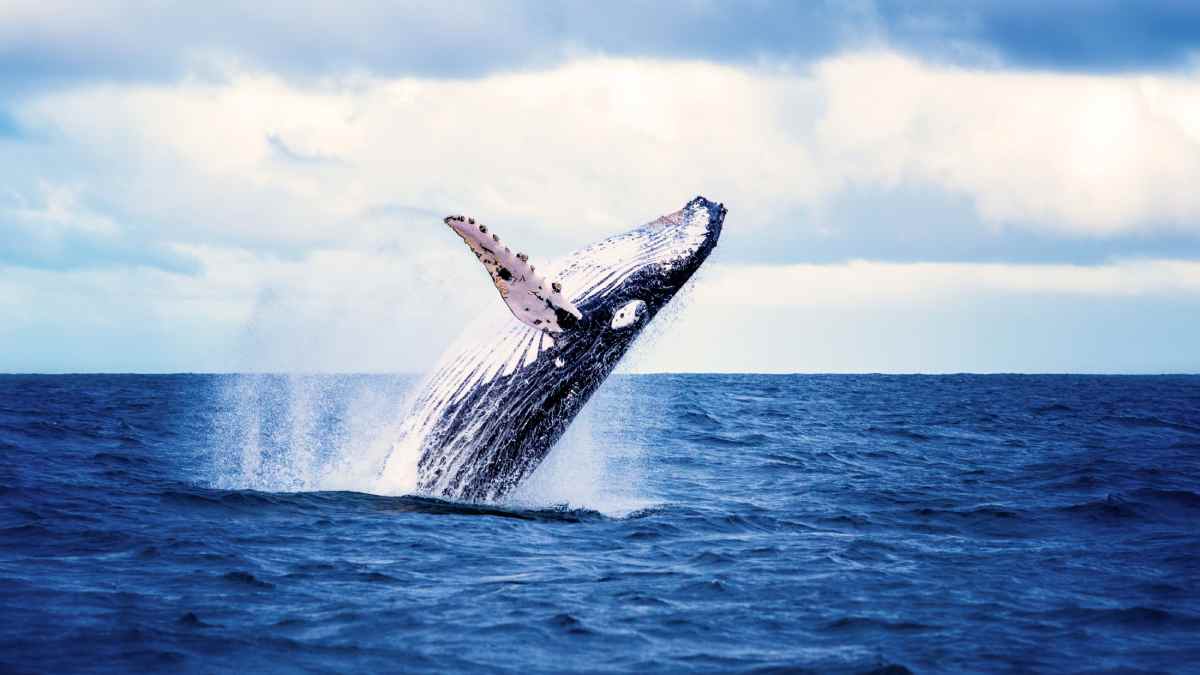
(912,186)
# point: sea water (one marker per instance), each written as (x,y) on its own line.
(685,523)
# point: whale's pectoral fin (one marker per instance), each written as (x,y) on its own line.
(530,297)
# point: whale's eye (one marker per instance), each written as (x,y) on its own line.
(628,314)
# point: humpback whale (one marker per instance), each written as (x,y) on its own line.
(494,407)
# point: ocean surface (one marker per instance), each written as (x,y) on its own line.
(686,523)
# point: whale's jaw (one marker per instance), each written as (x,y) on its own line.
(499,401)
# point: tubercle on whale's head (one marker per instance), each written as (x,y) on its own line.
(650,263)
(713,215)
(680,242)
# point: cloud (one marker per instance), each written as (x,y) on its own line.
(8,125)
(1073,35)
(348,310)
(334,310)
(287,153)
(1125,316)
(924,222)
(1071,153)
(1129,317)
(871,283)
(560,157)
(253,221)
(52,43)
(57,231)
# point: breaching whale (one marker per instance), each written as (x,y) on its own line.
(494,407)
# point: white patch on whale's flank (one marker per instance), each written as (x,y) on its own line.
(531,298)
(629,314)
(515,360)
(473,359)
(531,352)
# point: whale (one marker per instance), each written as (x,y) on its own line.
(496,403)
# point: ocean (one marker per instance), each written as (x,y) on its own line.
(686,523)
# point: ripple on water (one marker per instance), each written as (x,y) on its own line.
(739,523)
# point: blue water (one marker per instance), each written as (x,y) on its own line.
(687,524)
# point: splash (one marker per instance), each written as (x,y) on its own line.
(297,433)
(594,465)
(365,433)
(362,433)
(301,433)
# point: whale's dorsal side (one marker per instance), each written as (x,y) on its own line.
(536,302)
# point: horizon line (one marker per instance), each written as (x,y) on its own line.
(780,373)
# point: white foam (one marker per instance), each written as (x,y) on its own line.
(270,438)
(274,432)
(592,466)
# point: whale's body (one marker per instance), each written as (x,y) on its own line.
(496,405)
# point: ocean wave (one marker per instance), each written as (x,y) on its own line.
(686,523)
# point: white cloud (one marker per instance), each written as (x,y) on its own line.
(588,148)
(599,144)
(1133,316)
(59,211)
(335,310)
(861,282)
(346,310)
(1085,154)
(314,208)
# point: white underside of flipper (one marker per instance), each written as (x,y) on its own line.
(533,300)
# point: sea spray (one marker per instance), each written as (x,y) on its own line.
(362,433)
(594,466)
(825,523)
(365,433)
(289,433)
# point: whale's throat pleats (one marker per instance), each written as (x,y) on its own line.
(533,299)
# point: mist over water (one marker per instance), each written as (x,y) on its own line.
(364,433)
(308,433)
(294,433)
(594,466)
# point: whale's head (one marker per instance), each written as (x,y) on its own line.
(619,284)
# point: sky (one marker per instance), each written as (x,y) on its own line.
(912,186)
